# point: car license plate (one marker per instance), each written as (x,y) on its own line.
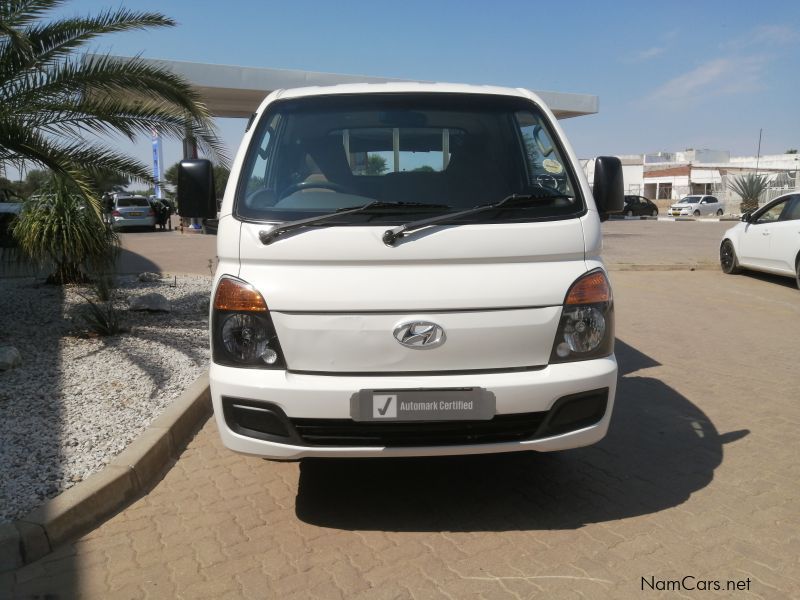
(451,404)
(134,214)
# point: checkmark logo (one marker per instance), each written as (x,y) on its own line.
(384,406)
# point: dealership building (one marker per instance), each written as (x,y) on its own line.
(673,175)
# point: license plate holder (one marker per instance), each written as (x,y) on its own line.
(420,405)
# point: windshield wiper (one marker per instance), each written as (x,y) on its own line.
(390,236)
(267,237)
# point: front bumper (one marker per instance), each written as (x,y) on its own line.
(304,396)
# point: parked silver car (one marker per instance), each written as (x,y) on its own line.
(696,206)
(132,211)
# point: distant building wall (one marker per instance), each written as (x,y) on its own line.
(673,175)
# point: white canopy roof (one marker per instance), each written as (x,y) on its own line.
(231,91)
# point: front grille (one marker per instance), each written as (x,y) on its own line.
(345,432)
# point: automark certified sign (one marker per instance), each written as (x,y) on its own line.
(448,404)
(419,334)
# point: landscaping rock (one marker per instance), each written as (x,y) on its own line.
(153,302)
(9,358)
(147,277)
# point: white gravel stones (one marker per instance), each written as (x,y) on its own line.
(152,302)
(76,402)
(9,358)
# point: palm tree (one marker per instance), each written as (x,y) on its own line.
(54,102)
(749,187)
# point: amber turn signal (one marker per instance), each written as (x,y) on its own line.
(589,289)
(236,295)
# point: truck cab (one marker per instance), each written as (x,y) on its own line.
(408,270)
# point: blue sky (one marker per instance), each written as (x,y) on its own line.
(670,75)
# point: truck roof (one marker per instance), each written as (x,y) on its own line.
(401,87)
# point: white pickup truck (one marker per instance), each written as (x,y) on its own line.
(408,269)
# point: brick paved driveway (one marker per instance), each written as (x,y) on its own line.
(698,476)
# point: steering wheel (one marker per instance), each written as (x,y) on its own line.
(307,185)
(554,183)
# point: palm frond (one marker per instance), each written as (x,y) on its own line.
(77,160)
(113,84)
(19,13)
(49,42)
(51,98)
(60,38)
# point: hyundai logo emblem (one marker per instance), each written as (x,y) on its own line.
(419,334)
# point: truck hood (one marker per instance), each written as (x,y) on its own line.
(338,295)
(467,267)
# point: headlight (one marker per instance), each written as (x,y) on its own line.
(586,328)
(242,332)
(247,338)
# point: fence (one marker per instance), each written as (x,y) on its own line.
(12,265)
(732,200)
(729,199)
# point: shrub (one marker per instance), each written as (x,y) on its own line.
(104,286)
(749,187)
(102,318)
(59,228)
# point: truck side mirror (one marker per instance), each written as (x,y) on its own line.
(608,190)
(197,198)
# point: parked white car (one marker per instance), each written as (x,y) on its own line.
(766,240)
(408,269)
(696,206)
(132,211)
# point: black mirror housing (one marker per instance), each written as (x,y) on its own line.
(196,193)
(608,189)
(746,216)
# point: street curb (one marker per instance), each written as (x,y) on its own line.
(87,504)
(662,267)
(668,219)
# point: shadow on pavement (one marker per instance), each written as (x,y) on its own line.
(660,449)
(131,262)
(789,282)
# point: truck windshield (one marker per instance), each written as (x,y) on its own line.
(315,155)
